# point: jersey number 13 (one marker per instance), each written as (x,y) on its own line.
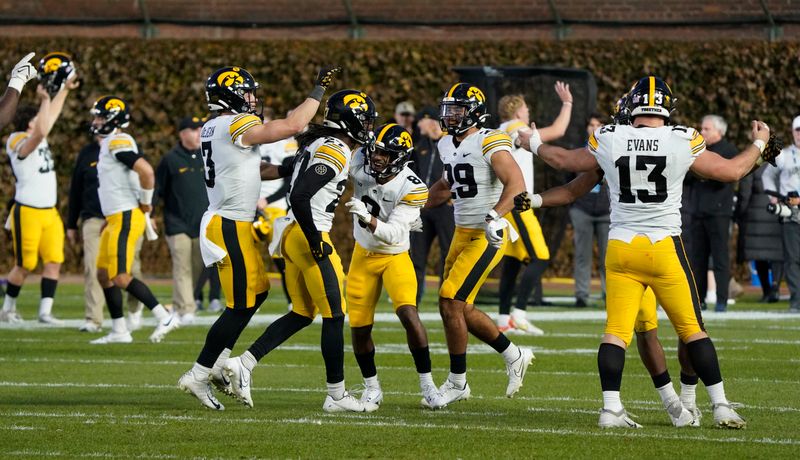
(656,177)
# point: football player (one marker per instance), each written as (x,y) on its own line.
(229,147)
(22,73)
(645,164)
(313,269)
(36,226)
(483,179)
(126,180)
(530,249)
(387,199)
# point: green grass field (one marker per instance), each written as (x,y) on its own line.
(62,398)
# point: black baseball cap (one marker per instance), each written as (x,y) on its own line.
(191,123)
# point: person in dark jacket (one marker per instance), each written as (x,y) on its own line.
(180,182)
(590,219)
(759,234)
(711,205)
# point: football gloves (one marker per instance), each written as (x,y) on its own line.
(357,208)
(261,227)
(22,73)
(326,76)
(772,149)
(320,250)
(494,229)
(416,226)
(522,202)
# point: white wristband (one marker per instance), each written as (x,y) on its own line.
(760,145)
(146,196)
(16,83)
(536,201)
(492,215)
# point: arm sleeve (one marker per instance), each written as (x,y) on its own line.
(128,158)
(308,183)
(75,194)
(280,193)
(395,229)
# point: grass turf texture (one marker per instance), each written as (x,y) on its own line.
(63,398)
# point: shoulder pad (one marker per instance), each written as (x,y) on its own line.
(684,132)
(495,140)
(241,123)
(514,126)
(15,139)
(333,151)
(121,142)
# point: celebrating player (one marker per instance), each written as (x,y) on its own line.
(22,72)
(483,180)
(36,227)
(645,165)
(228,145)
(387,199)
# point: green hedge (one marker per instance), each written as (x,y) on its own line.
(163,80)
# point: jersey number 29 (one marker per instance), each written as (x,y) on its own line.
(463,175)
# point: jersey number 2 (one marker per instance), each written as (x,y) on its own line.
(210,173)
(656,176)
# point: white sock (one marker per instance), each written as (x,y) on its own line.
(611,401)
(511,353)
(688,394)
(425,380)
(10,303)
(667,392)
(118,325)
(502,320)
(336,390)
(45,306)
(201,372)
(160,313)
(716,393)
(372,382)
(226,353)
(459,380)
(248,360)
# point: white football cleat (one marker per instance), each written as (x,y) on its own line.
(134,320)
(200,390)
(516,371)
(431,398)
(695,411)
(679,415)
(113,337)
(450,393)
(726,417)
(10,317)
(50,319)
(90,326)
(347,404)
(221,381)
(165,327)
(240,379)
(214,306)
(372,394)
(619,419)
(520,323)
(187,319)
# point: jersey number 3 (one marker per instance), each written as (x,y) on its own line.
(210,173)
(656,176)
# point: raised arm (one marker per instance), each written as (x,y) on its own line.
(713,166)
(569,192)
(40,127)
(22,72)
(560,124)
(575,160)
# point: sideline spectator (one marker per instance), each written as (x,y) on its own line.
(211,275)
(712,209)
(785,179)
(404,115)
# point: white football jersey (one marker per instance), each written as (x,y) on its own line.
(645,168)
(233,171)
(524,158)
(35,174)
(336,154)
(468,169)
(119,187)
(395,203)
(274,154)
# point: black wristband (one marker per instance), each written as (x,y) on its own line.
(317,93)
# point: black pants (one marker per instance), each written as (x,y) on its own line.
(437,223)
(791,261)
(710,235)
(211,275)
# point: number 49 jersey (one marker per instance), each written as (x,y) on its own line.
(468,170)
(396,204)
(645,168)
(335,154)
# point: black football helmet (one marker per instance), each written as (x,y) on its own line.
(651,96)
(354,113)
(462,107)
(622,113)
(54,69)
(392,140)
(226,87)
(115,114)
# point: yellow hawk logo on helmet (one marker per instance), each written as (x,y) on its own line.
(114,104)
(52,64)
(405,140)
(475,92)
(230,78)
(356,101)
